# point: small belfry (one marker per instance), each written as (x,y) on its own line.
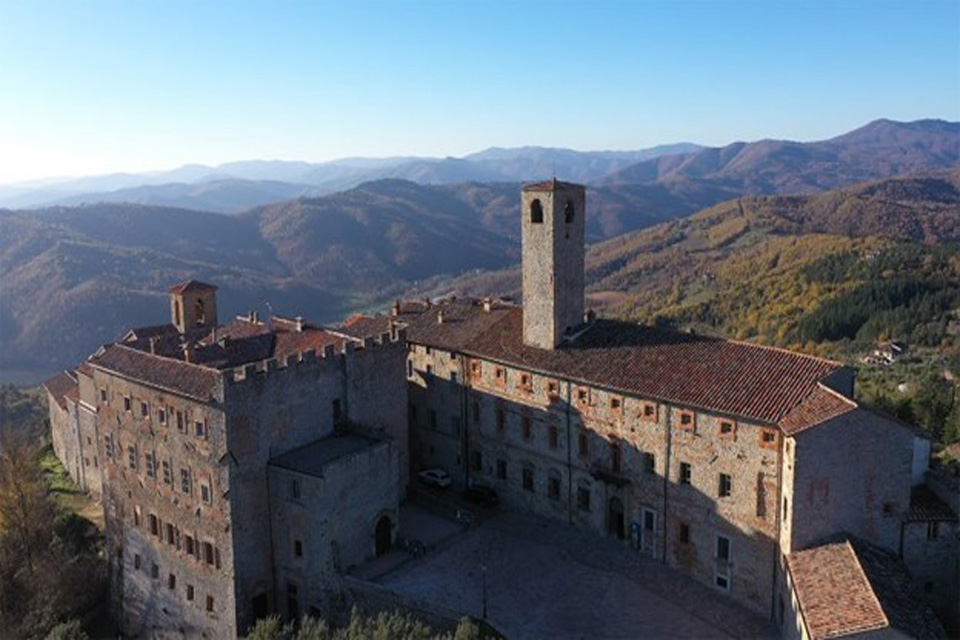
(193,305)
(552,224)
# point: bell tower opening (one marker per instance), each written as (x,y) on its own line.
(193,305)
(553,261)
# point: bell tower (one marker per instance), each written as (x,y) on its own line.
(552,223)
(193,305)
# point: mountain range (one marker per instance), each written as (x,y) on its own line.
(75,276)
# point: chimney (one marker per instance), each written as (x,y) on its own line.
(487,304)
(188,352)
(254,316)
(153,345)
(440,316)
(299,324)
(426,301)
(396,307)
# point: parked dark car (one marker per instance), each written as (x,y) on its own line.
(479,494)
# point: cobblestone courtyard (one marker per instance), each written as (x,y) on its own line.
(547,580)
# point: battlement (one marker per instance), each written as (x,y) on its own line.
(308,359)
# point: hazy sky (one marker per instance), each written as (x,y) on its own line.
(131,85)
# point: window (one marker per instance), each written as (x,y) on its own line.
(154,525)
(761,496)
(554,436)
(136,561)
(475,368)
(686,473)
(132,456)
(103,395)
(154,571)
(686,420)
(208,553)
(205,493)
(536,212)
(200,429)
(568,212)
(583,397)
(527,428)
(429,369)
(151,465)
(785,505)
(553,389)
(185,481)
(584,443)
(171,581)
(127,403)
(615,403)
(181,423)
(727,429)
(501,421)
(298,548)
(295,488)
(553,485)
(583,498)
(616,461)
(649,412)
(409,368)
(722,575)
(723,548)
(684,533)
(726,486)
(190,593)
(189,545)
(209,604)
(162,416)
(453,377)
(649,462)
(144,410)
(427,350)
(501,375)
(933,530)
(502,469)
(768,438)
(337,411)
(167,478)
(528,478)
(108,446)
(526,382)
(136,516)
(169,529)
(476,461)
(476,411)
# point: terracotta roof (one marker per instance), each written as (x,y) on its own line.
(364,326)
(742,379)
(168,373)
(62,386)
(925,506)
(819,406)
(835,596)
(553,185)
(191,286)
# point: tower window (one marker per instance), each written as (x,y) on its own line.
(536,212)
(568,211)
(201,314)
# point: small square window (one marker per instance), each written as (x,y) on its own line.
(687,420)
(727,429)
(768,438)
(553,388)
(650,412)
(615,403)
(127,403)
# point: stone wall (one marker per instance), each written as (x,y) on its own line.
(851,474)
(931,551)
(166,509)
(331,521)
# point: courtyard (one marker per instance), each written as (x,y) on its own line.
(544,579)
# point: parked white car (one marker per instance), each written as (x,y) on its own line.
(436,477)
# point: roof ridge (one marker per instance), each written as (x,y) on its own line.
(770,347)
(203,368)
(853,403)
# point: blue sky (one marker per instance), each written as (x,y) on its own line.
(101,86)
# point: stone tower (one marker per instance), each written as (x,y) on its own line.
(193,304)
(552,215)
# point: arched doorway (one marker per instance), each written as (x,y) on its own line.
(615,522)
(383,531)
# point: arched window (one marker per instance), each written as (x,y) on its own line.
(201,314)
(176,313)
(536,212)
(568,211)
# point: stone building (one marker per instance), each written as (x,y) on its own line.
(193,422)
(747,467)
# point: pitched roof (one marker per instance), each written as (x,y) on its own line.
(168,373)
(849,586)
(62,386)
(553,185)
(835,597)
(819,406)
(742,379)
(926,506)
(191,286)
